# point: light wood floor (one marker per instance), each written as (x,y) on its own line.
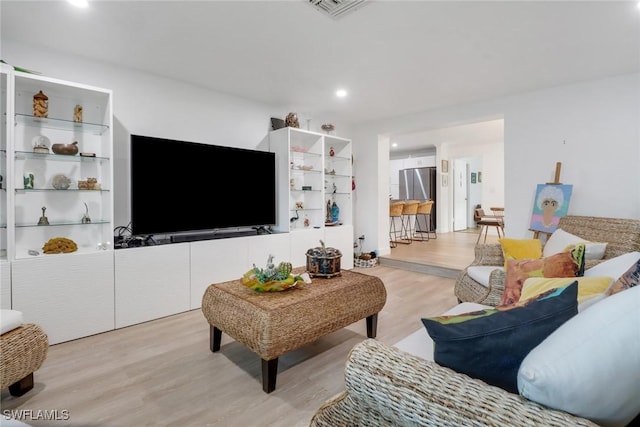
(161,373)
(444,256)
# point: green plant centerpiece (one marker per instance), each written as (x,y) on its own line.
(271,278)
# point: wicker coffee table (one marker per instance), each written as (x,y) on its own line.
(271,324)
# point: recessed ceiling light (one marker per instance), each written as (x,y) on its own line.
(341,93)
(394,145)
(79,3)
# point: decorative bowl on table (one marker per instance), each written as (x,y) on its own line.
(271,278)
(323,261)
(66,149)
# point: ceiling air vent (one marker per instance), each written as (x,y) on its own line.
(336,8)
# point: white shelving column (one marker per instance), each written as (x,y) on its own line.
(70,295)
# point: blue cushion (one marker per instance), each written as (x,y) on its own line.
(490,344)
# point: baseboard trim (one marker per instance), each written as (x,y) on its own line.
(434,270)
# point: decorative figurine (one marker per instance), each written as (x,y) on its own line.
(299,205)
(332,152)
(40,105)
(293,219)
(335,212)
(292,120)
(328,217)
(77,113)
(28,180)
(85,218)
(43,219)
(306,221)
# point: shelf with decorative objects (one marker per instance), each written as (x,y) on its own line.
(314,189)
(59,157)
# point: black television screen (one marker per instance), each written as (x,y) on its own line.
(180,186)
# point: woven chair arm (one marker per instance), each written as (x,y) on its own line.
(387,386)
(495,288)
(488,254)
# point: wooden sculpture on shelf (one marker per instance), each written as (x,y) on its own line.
(40,105)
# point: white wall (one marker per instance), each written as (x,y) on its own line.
(593,128)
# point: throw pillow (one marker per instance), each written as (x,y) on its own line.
(560,240)
(588,287)
(520,249)
(490,344)
(564,264)
(628,280)
(589,365)
(614,267)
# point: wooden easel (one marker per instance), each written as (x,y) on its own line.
(556,181)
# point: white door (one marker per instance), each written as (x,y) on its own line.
(460,196)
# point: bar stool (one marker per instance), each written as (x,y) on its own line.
(395,214)
(424,212)
(408,218)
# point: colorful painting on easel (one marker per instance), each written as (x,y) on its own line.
(551,203)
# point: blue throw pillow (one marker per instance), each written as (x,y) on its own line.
(490,344)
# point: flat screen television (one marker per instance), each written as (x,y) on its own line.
(180,187)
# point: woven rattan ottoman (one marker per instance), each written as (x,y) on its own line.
(271,324)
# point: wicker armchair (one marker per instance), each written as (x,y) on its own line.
(622,236)
(23,350)
(389,387)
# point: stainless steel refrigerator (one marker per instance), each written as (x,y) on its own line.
(419,184)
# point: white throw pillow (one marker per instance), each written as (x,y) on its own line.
(590,366)
(614,267)
(560,239)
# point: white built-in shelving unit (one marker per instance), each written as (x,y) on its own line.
(314,171)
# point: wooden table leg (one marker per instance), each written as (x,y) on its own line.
(269,373)
(215,336)
(19,388)
(372,325)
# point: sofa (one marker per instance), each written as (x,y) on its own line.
(386,386)
(483,280)
(24,348)
(583,373)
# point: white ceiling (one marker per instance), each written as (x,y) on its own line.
(394,57)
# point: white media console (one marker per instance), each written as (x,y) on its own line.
(81,294)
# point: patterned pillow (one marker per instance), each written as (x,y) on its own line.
(490,344)
(628,280)
(564,264)
(588,287)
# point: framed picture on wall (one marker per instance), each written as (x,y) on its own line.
(479,176)
(445,166)
(473,177)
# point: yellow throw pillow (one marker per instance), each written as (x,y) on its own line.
(588,287)
(520,249)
